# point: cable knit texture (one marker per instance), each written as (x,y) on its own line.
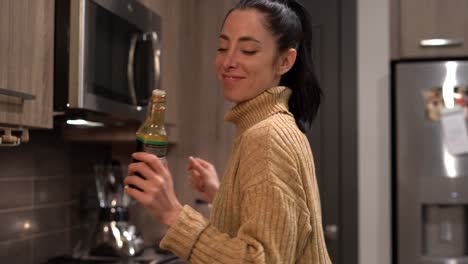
(267,209)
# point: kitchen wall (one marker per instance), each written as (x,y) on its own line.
(47,196)
(374,132)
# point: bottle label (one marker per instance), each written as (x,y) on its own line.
(158,148)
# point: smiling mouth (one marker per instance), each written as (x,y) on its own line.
(233,78)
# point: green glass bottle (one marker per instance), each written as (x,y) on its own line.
(151,137)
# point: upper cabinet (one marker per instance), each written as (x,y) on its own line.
(26,63)
(429,28)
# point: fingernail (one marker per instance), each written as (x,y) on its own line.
(190,157)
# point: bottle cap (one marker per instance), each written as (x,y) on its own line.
(159,92)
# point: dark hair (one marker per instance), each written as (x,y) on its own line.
(289,22)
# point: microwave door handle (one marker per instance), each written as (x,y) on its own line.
(130,69)
(157,59)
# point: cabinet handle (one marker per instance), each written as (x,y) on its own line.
(24,96)
(440,42)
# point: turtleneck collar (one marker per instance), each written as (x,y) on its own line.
(250,112)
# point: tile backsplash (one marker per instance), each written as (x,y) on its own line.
(47,196)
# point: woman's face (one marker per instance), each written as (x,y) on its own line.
(246,62)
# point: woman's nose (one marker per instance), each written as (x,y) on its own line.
(230,61)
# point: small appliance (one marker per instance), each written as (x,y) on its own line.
(114,235)
(107,58)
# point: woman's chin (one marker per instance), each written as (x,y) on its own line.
(232,100)
(229,96)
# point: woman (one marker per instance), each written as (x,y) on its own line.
(267,208)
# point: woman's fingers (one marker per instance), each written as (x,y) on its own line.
(194,173)
(144,171)
(137,182)
(196,165)
(193,182)
(153,161)
(205,164)
(141,168)
(148,181)
(203,177)
(190,162)
(157,190)
(196,181)
(141,197)
(195,169)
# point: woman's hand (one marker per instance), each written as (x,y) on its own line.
(203,178)
(157,189)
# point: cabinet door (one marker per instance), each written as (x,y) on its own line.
(26,62)
(433,19)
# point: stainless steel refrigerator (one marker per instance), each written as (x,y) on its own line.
(430,161)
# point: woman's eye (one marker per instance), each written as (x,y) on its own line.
(222,50)
(249,52)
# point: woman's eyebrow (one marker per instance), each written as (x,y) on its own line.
(243,39)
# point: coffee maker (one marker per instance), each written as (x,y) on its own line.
(114,235)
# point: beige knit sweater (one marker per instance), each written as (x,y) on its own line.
(267,209)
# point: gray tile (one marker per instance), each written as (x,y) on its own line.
(83,190)
(81,216)
(82,159)
(78,214)
(16,193)
(17,225)
(83,163)
(84,156)
(51,191)
(46,139)
(51,219)
(16,162)
(82,186)
(51,155)
(18,252)
(52,163)
(49,246)
(75,186)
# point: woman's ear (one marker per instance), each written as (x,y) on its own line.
(286,61)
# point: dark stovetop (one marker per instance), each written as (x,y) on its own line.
(148,257)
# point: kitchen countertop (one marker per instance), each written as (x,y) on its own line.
(149,256)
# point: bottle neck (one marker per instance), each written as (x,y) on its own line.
(156,112)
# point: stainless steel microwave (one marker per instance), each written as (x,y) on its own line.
(107,57)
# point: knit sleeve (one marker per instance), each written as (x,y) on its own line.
(273,230)
(275,224)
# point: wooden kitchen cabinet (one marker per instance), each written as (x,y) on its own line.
(429,19)
(26,63)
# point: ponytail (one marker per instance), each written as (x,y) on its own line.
(306,97)
(290,22)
